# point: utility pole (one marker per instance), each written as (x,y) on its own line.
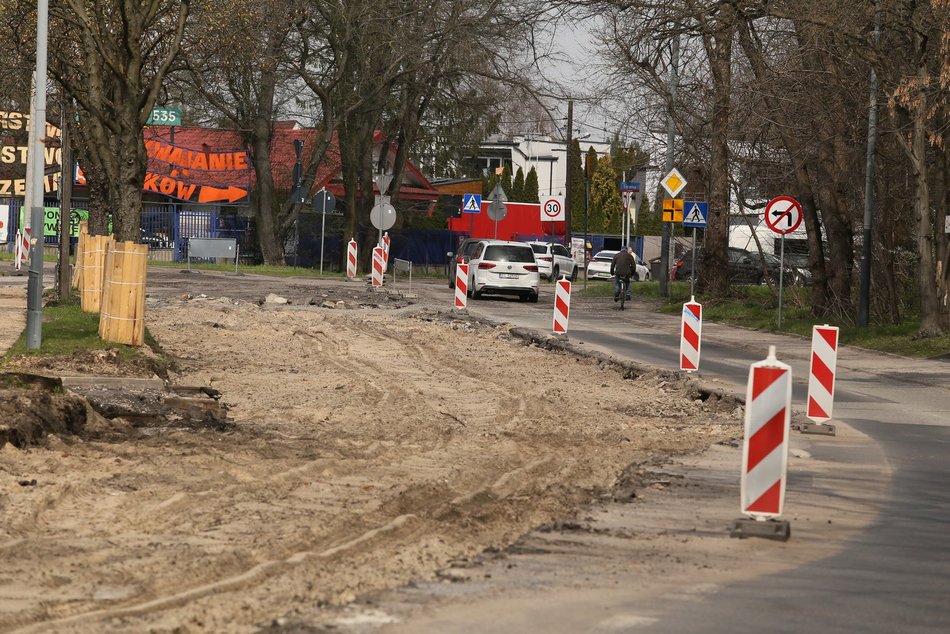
(665,251)
(36,159)
(569,183)
(65,205)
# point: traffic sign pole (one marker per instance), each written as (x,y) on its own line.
(778,210)
(692,271)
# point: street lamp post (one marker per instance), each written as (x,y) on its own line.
(36,157)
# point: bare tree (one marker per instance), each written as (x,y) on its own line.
(110,57)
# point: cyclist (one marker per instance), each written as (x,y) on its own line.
(623,267)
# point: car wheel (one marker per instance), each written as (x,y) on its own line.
(554,273)
(533,298)
(574,275)
(476,294)
(635,277)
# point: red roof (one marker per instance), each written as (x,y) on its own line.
(200,146)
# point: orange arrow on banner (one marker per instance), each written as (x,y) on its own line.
(210,194)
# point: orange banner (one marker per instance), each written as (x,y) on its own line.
(197,160)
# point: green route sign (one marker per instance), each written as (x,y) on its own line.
(164,116)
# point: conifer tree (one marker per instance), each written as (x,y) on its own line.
(517,187)
(531,187)
(605,197)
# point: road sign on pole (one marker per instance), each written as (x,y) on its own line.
(696,215)
(783,215)
(672,210)
(471,203)
(552,209)
(673,183)
(164,116)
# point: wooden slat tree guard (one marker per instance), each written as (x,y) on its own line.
(122,317)
(80,246)
(91,276)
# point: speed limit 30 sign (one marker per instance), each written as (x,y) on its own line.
(783,215)
(552,209)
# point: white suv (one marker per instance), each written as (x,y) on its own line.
(498,266)
(554,260)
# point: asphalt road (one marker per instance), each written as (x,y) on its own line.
(895,575)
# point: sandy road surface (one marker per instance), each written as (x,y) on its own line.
(369,448)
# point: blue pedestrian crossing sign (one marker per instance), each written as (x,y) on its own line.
(471,203)
(695,215)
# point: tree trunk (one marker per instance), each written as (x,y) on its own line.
(716,277)
(931,321)
(803,181)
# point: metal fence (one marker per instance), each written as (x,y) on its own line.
(165,228)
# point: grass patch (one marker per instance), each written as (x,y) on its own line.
(756,307)
(68,331)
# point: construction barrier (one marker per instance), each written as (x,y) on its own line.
(691,335)
(386,241)
(377,266)
(765,446)
(351,258)
(403,266)
(93,270)
(821,376)
(21,248)
(562,304)
(122,316)
(461,285)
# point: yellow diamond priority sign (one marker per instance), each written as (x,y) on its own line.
(673,183)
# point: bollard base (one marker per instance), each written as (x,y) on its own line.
(778,530)
(822,429)
(561,336)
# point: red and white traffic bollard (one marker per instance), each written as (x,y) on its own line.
(821,379)
(377,266)
(386,241)
(351,258)
(562,304)
(691,335)
(765,448)
(21,248)
(461,285)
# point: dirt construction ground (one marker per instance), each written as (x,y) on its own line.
(371,442)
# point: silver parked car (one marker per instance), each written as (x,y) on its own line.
(599,267)
(554,260)
(502,267)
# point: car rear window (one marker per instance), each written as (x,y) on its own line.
(508,253)
(604,256)
(538,248)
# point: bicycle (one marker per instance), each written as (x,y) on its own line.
(624,281)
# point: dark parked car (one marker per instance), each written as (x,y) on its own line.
(461,256)
(744,266)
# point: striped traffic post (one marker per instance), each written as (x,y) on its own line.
(821,379)
(386,241)
(351,258)
(461,285)
(377,266)
(562,305)
(765,448)
(691,335)
(21,247)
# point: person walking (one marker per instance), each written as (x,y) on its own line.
(622,267)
